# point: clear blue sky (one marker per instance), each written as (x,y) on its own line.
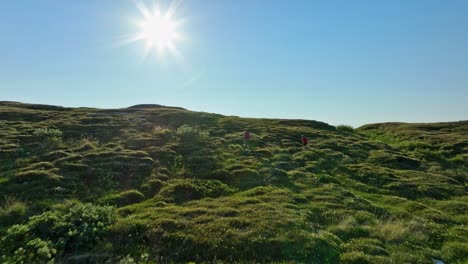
(351,62)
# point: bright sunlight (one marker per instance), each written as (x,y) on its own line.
(158,30)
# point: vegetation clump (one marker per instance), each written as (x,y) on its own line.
(48,138)
(48,237)
(12,211)
(345,128)
(123,198)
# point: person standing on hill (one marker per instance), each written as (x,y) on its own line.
(246,139)
(305,140)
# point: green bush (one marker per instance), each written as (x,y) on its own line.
(123,198)
(455,252)
(48,133)
(399,231)
(198,157)
(163,135)
(461,159)
(48,138)
(345,128)
(13,211)
(164,155)
(262,152)
(276,176)
(55,155)
(200,162)
(323,178)
(285,165)
(219,174)
(184,190)
(191,135)
(152,187)
(390,160)
(111,170)
(73,227)
(247,178)
(38,176)
(347,232)
(369,246)
(355,258)
(35,250)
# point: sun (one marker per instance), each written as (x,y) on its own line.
(158,30)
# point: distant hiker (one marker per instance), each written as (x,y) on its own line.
(246,139)
(305,140)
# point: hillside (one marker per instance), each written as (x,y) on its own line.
(156,184)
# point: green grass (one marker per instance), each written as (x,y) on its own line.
(151,184)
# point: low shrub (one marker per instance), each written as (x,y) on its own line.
(47,133)
(183,190)
(455,252)
(13,211)
(399,231)
(262,152)
(152,187)
(389,160)
(276,176)
(44,238)
(354,257)
(285,165)
(123,198)
(323,178)
(191,135)
(247,178)
(346,232)
(345,128)
(220,174)
(48,138)
(38,176)
(368,246)
(163,135)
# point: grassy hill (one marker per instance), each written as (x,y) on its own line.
(156,184)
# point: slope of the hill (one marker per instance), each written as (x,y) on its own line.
(156,184)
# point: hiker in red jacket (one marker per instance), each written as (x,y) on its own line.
(305,140)
(246,139)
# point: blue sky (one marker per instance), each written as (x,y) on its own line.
(338,61)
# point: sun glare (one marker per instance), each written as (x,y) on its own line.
(158,30)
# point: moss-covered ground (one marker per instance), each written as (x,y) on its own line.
(154,184)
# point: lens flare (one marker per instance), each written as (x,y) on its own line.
(158,30)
